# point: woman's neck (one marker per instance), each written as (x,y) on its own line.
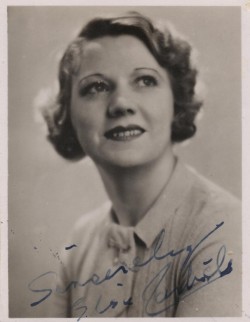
(133,190)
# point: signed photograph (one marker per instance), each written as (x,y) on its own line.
(124,161)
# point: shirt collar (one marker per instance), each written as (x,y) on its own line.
(165,206)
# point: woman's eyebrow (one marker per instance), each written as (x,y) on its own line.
(92,75)
(148,68)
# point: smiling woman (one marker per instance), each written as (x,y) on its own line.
(163,245)
(120,88)
(127,95)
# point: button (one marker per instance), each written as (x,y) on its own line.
(116,261)
(125,249)
(111,242)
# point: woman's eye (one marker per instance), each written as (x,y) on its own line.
(95,88)
(146,81)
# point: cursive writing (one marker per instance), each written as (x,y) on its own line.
(155,296)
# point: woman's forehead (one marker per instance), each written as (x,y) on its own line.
(124,51)
(112,43)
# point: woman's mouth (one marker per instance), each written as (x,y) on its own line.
(121,133)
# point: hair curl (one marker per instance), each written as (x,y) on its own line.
(172,53)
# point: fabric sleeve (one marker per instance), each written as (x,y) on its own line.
(210,280)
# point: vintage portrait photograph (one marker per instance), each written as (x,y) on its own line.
(124,161)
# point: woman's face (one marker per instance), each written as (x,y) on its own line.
(122,103)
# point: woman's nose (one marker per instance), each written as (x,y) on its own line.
(121,104)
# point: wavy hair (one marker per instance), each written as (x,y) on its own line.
(172,52)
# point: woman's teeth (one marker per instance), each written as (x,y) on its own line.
(126,134)
(121,133)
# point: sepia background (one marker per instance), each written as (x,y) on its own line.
(48,194)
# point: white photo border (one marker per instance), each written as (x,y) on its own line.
(245,10)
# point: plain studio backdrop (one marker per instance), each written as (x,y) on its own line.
(48,194)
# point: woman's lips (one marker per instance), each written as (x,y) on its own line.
(124,133)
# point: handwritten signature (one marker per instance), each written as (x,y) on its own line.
(153,293)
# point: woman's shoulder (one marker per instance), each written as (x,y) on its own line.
(88,226)
(92,221)
(210,194)
(204,206)
(210,221)
(207,206)
(84,234)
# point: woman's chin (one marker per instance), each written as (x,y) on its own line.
(131,156)
(122,160)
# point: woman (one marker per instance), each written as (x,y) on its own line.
(169,242)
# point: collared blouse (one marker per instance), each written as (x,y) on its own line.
(182,259)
